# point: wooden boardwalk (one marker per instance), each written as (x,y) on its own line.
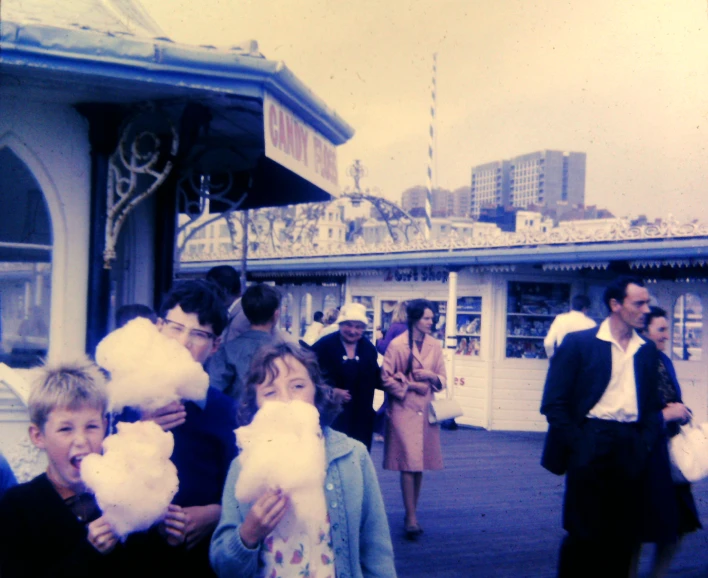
(494,512)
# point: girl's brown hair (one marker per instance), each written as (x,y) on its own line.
(263,369)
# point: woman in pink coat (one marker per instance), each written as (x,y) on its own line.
(413,369)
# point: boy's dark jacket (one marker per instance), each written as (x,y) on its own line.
(41,538)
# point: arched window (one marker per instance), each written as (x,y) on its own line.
(687,330)
(25,264)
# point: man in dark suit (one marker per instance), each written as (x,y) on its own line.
(606,434)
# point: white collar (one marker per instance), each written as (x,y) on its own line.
(635,342)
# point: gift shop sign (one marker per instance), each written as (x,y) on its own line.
(298,147)
(416,274)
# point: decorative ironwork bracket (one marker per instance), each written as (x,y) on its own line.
(197,210)
(395,217)
(137,168)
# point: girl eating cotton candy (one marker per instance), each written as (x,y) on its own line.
(301,499)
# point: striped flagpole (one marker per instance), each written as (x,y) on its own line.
(431,150)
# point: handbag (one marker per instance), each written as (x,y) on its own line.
(442,409)
(688,453)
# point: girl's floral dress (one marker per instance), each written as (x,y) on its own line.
(298,556)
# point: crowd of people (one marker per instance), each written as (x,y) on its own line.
(612,400)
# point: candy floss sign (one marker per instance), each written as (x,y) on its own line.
(298,147)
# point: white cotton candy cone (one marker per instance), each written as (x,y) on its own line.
(283,448)
(127,348)
(134,480)
(148,369)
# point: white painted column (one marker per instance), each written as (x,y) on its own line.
(347,291)
(28,298)
(38,281)
(451,331)
(308,309)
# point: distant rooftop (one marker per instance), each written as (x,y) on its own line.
(119,17)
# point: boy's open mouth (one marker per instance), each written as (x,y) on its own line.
(76,461)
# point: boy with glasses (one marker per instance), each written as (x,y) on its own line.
(194,315)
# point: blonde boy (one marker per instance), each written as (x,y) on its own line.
(50,526)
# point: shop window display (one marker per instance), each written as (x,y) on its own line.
(439,320)
(469,325)
(598,309)
(531,308)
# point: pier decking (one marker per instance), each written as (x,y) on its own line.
(495,512)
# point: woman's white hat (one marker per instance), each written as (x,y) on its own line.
(353,312)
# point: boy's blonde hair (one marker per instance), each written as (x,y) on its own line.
(66,385)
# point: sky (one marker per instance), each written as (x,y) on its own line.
(625,82)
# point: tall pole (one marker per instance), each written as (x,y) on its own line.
(431,150)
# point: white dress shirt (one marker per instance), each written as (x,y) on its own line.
(619,402)
(562,325)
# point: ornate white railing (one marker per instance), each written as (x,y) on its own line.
(620,231)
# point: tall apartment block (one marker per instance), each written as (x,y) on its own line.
(444,203)
(413,201)
(552,179)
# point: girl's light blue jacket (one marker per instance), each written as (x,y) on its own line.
(360,535)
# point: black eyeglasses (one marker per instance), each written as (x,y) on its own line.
(175,329)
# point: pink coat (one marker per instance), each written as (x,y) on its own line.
(412,443)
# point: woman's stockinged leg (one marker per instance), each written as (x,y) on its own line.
(418,477)
(408,489)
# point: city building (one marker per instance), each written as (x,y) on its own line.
(533,221)
(461,201)
(442,205)
(551,179)
(490,186)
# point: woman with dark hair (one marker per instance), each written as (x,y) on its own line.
(675,413)
(413,370)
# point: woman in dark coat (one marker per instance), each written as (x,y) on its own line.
(349,364)
(675,414)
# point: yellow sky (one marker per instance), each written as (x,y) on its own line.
(626,82)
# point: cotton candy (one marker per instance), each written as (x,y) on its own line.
(283,448)
(149,370)
(134,480)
